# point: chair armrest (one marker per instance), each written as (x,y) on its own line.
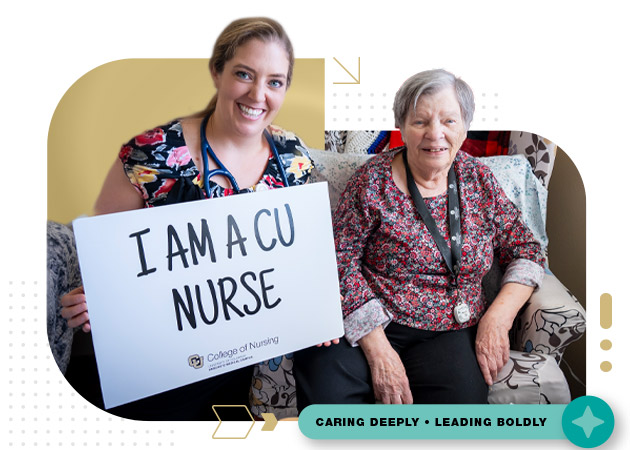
(62,276)
(550,320)
(530,379)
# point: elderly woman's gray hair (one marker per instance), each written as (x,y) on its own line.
(427,83)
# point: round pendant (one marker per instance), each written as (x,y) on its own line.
(461,312)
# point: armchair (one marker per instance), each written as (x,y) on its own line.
(552,318)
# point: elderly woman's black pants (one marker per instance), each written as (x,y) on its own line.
(441,366)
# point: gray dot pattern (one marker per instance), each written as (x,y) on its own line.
(487,107)
(41,409)
(349,107)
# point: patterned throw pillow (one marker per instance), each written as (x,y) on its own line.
(540,153)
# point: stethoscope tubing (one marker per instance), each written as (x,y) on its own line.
(222,170)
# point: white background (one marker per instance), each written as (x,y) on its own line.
(556,68)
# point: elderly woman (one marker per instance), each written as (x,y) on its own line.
(229,148)
(416,230)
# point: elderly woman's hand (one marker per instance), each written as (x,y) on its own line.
(74,309)
(492,344)
(389,378)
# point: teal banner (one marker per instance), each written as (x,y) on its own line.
(432,421)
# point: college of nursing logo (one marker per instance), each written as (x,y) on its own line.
(195,361)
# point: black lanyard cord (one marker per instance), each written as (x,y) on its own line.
(453,256)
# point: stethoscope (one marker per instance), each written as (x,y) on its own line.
(222,170)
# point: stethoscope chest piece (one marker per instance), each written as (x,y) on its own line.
(222,170)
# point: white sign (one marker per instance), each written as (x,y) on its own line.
(180,293)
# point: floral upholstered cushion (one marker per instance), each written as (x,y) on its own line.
(551,320)
(273,388)
(530,378)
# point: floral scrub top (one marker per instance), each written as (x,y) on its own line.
(391,269)
(160,166)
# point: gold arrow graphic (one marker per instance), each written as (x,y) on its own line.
(356,80)
(270,421)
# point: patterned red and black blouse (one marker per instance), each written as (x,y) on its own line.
(391,269)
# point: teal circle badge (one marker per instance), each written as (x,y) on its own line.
(588,421)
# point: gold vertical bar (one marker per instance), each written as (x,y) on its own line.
(605,311)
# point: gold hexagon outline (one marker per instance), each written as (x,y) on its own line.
(220,421)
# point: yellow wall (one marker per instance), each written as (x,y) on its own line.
(116,101)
